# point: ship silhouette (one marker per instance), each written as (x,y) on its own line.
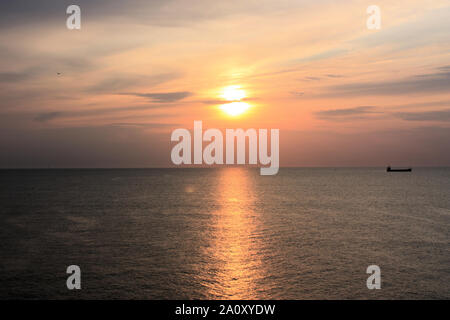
(389,169)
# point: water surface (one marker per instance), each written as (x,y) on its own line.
(225,233)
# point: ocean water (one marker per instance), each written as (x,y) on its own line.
(225,233)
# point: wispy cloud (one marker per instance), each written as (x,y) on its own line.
(117,83)
(163,97)
(426,28)
(444,68)
(334,75)
(438,82)
(145,124)
(312,78)
(155,12)
(437,103)
(47,116)
(51,115)
(297,94)
(13,76)
(436,115)
(20,76)
(335,52)
(347,113)
(321,77)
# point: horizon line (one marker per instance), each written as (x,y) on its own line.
(209,167)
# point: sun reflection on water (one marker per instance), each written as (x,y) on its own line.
(236,242)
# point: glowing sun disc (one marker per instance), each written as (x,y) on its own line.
(235,108)
(233,93)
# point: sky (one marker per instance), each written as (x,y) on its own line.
(111,93)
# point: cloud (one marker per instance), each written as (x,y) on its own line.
(438,82)
(223,101)
(332,53)
(444,68)
(163,97)
(437,115)
(27,74)
(13,76)
(439,103)
(312,78)
(120,82)
(317,78)
(52,115)
(215,101)
(145,125)
(426,29)
(368,112)
(47,116)
(155,12)
(114,84)
(297,93)
(334,75)
(347,114)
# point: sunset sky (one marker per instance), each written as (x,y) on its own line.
(341,95)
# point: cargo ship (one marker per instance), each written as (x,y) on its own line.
(389,169)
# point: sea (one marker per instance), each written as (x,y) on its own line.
(225,233)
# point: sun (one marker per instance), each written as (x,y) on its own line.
(235,108)
(234,94)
